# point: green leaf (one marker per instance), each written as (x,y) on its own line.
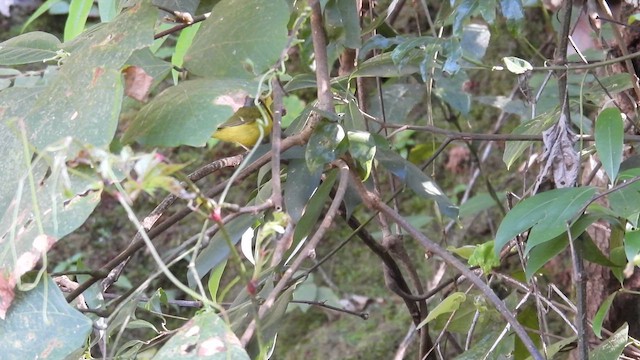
(555,223)
(354,120)
(218,249)
(625,203)
(28,48)
(601,314)
(613,84)
(559,214)
(383,66)
(83,101)
(448,89)
(544,252)
(535,126)
(460,12)
(41,10)
(41,324)
(205,336)
(341,19)
(591,252)
(475,40)
(40,201)
(487,345)
(555,207)
(485,257)
(185,39)
(214,280)
(480,202)
(528,318)
(313,210)
(363,149)
(187,114)
(450,304)
(512,9)
(632,244)
(516,65)
(609,135)
(412,48)
(107,10)
(612,348)
(464,252)
(77,18)
(300,185)
(306,291)
(562,345)
(322,147)
(399,100)
(414,178)
(241,38)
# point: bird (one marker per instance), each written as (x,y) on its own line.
(243,127)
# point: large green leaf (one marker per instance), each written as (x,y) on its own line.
(323,146)
(399,100)
(342,23)
(77,18)
(205,336)
(28,48)
(42,325)
(187,114)
(241,38)
(414,178)
(313,211)
(609,134)
(558,215)
(218,249)
(612,348)
(541,254)
(84,99)
(556,206)
(300,185)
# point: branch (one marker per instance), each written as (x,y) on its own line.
(362,315)
(373,202)
(196,19)
(455,135)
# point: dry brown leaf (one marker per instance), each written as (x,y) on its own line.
(137,83)
(560,156)
(6,294)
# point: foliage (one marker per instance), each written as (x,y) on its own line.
(375,113)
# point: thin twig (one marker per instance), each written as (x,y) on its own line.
(456,135)
(579,280)
(196,19)
(276,144)
(362,315)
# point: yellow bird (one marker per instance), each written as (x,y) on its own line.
(243,127)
